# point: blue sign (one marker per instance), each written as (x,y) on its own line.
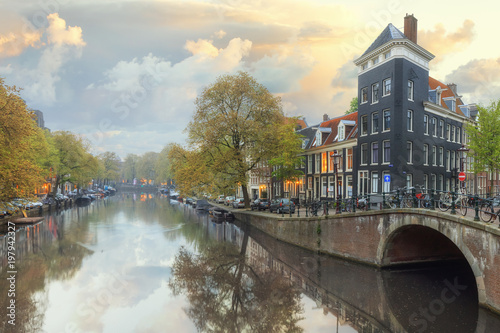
(387,178)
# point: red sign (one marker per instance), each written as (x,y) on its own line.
(461,176)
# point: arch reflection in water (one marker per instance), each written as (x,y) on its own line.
(362,297)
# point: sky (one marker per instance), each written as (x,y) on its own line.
(125,74)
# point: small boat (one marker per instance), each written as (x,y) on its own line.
(84,200)
(27,220)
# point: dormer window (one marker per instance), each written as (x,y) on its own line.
(375,61)
(341,132)
(364,66)
(318,138)
(387,55)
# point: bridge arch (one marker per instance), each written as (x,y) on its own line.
(405,242)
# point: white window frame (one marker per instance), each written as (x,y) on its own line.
(361,97)
(409,150)
(364,145)
(426,154)
(410,90)
(375,96)
(409,121)
(372,152)
(384,91)
(384,128)
(374,182)
(364,120)
(426,124)
(386,160)
(375,130)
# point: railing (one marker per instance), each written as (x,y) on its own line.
(458,201)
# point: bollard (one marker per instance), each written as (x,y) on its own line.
(476,207)
(453,210)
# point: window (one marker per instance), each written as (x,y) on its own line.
(440,183)
(331,187)
(409,180)
(452,160)
(433,181)
(310,163)
(426,124)
(387,120)
(318,163)
(331,164)
(374,182)
(375,61)
(364,125)
(452,137)
(341,131)
(324,163)
(387,55)
(375,96)
(410,90)
(324,186)
(441,129)
(387,151)
(364,95)
(426,154)
(458,139)
(434,126)
(409,149)
(364,66)
(448,132)
(374,122)
(409,121)
(440,156)
(387,185)
(434,155)
(426,182)
(448,160)
(349,159)
(364,153)
(374,152)
(386,87)
(363,182)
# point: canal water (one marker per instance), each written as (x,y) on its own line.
(136,263)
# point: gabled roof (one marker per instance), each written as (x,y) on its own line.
(388,34)
(334,123)
(446,92)
(308,133)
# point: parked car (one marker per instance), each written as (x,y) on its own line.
(239,203)
(202,204)
(220,199)
(228,201)
(9,208)
(282,205)
(260,204)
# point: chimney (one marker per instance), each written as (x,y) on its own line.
(325,117)
(411,28)
(453,88)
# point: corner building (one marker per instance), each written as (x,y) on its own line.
(407,134)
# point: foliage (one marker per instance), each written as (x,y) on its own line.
(23,148)
(76,164)
(146,166)
(129,167)
(237,127)
(162,166)
(110,163)
(484,139)
(353,106)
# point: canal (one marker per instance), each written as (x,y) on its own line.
(136,263)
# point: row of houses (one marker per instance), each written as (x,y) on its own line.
(408,130)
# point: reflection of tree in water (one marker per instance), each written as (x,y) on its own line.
(228,295)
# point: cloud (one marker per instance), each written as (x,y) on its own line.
(441,43)
(58,33)
(202,47)
(479,80)
(16,35)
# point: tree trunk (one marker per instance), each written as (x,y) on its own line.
(245,196)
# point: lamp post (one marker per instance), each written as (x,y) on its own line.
(336,160)
(463,150)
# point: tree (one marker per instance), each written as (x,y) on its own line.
(146,166)
(236,127)
(111,166)
(129,167)
(353,106)
(22,146)
(484,140)
(162,166)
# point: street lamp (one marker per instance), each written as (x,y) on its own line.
(336,160)
(462,151)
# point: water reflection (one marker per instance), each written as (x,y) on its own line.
(138,264)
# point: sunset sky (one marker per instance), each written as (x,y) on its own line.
(125,73)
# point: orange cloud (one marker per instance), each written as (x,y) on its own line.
(57,33)
(439,42)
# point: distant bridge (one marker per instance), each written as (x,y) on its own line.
(386,238)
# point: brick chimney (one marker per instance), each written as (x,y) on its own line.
(411,28)
(325,117)
(453,88)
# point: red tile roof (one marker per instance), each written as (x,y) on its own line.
(334,123)
(433,84)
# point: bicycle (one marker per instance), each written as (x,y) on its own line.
(423,198)
(361,204)
(391,200)
(446,201)
(487,212)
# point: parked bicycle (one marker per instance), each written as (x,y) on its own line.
(487,211)
(461,201)
(391,200)
(423,198)
(360,203)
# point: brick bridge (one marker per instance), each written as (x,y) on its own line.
(395,237)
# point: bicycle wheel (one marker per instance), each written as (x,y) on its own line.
(407,201)
(486,212)
(444,202)
(391,202)
(463,206)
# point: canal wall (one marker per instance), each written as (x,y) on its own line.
(395,237)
